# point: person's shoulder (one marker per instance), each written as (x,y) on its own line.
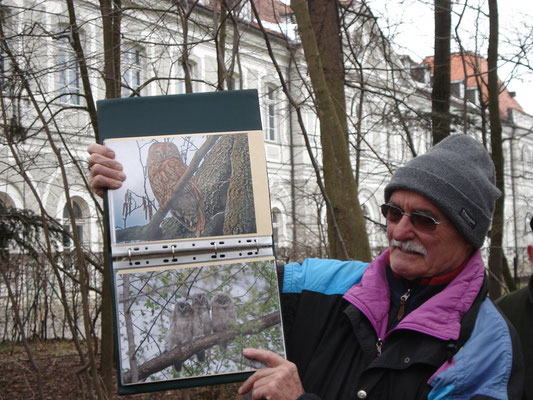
(509,302)
(490,353)
(326,276)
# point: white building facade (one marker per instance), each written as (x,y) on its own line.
(45,103)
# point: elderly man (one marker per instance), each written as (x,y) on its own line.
(518,307)
(415,323)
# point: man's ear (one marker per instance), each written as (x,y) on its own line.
(530,252)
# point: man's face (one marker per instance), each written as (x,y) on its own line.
(437,251)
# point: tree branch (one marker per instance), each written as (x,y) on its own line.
(187,350)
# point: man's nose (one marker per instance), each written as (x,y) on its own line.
(403,229)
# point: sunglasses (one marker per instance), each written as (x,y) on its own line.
(420,221)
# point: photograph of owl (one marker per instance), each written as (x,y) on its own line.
(223,315)
(180,330)
(201,321)
(165,168)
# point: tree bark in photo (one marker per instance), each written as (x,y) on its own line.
(213,181)
(240,210)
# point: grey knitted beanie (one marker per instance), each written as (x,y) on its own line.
(457,175)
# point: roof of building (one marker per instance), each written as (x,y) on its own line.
(475,68)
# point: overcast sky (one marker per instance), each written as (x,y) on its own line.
(411,24)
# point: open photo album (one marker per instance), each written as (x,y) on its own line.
(190,236)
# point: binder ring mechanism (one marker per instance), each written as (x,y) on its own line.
(129,255)
(173,247)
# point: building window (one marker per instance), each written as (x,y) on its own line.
(246,12)
(4,243)
(78,217)
(235,82)
(181,78)
(270,114)
(8,80)
(420,74)
(471,95)
(69,74)
(276,226)
(131,61)
(456,89)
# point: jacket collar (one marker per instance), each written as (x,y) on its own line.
(440,316)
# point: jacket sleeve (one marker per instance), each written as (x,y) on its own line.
(308,396)
(314,275)
(488,366)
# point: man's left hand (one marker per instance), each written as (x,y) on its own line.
(278,382)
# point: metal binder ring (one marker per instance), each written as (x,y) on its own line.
(215,249)
(129,255)
(173,247)
(257,246)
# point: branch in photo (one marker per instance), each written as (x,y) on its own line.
(183,353)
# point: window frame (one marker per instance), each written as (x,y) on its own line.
(132,69)
(66,240)
(270,131)
(277,226)
(69,79)
(193,70)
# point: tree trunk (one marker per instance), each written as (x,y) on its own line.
(220,41)
(240,213)
(496,236)
(346,226)
(111,11)
(326,24)
(440,96)
(213,181)
(184,10)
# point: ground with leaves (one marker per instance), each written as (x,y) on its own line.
(59,366)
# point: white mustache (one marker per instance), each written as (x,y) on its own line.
(409,246)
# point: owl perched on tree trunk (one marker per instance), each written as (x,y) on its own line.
(223,315)
(180,330)
(201,321)
(165,168)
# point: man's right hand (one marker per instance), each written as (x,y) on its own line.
(106,173)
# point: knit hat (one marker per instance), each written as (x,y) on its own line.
(458,176)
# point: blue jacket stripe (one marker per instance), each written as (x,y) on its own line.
(441,393)
(322,276)
(483,365)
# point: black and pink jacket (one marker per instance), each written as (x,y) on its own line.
(454,345)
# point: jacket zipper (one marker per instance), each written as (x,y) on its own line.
(379,343)
(403,300)
(401,312)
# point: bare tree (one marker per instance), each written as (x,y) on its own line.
(496,235)
(440,97)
